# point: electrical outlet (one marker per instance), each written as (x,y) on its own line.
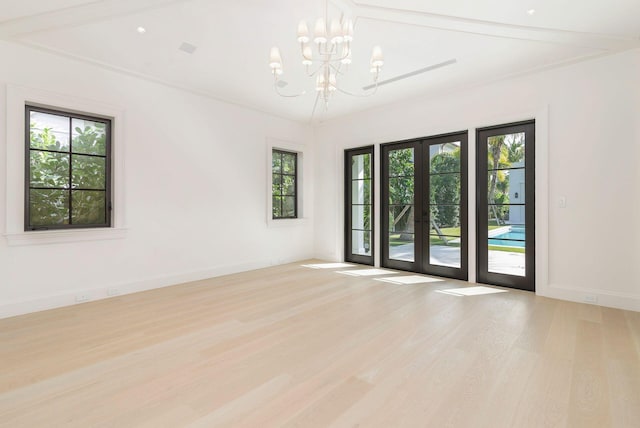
(590,298)
(112,291)
(563,202)
(81,298)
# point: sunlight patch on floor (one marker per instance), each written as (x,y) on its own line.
(471,291)
(367,272)
(411,279)
(328,265)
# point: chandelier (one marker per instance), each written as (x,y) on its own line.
(330,58)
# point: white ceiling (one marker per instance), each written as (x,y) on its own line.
(489,39)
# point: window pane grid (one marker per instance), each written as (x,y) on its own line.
(284,184)
(446,199)
(67,188)
(359,203)
(506,168)
(444,173)
(67,152)
(44,210)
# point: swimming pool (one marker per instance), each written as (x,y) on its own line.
(504,238)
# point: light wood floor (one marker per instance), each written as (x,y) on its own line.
(299,347)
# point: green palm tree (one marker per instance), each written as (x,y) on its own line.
(498,158)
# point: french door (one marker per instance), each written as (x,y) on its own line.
(359,215)
(505,201)
(424,205)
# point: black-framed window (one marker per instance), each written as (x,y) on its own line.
(67,170)
(284,184)
(359,203)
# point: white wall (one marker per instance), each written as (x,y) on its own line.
(195,195)
(588,119)
(185,221)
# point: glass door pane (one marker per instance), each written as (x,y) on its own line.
(506,202)
(506,239)
(359,205)
(401,205)
(506,210)
(445,178)
(424,208)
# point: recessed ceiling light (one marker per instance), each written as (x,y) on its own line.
(141,30)
(531,11)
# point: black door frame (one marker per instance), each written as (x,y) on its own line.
(385,261)
(348,199)
(483,275)
(462,272)
(421,263)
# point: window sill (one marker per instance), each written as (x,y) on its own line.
(64,236)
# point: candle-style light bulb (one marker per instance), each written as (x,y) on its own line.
(347,30)
(377,60)
(275,60)
(336,31)
(320,31)
(303,32)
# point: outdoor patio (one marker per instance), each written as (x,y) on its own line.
(499,261)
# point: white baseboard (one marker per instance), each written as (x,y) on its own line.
(68,298)
(329,257)
(628,301)
(9,309)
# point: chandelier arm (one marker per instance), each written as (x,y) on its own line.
(320,67)
(365,95)
(345,56)
(333,51)
(337,69)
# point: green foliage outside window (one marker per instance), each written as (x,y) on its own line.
(445,189)
(284,187)
(68,177)
(401,190)
(503,152)
(367,197)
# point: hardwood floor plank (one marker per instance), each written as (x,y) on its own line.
(545,401)
(295,346)
(589,405)
(624,393)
